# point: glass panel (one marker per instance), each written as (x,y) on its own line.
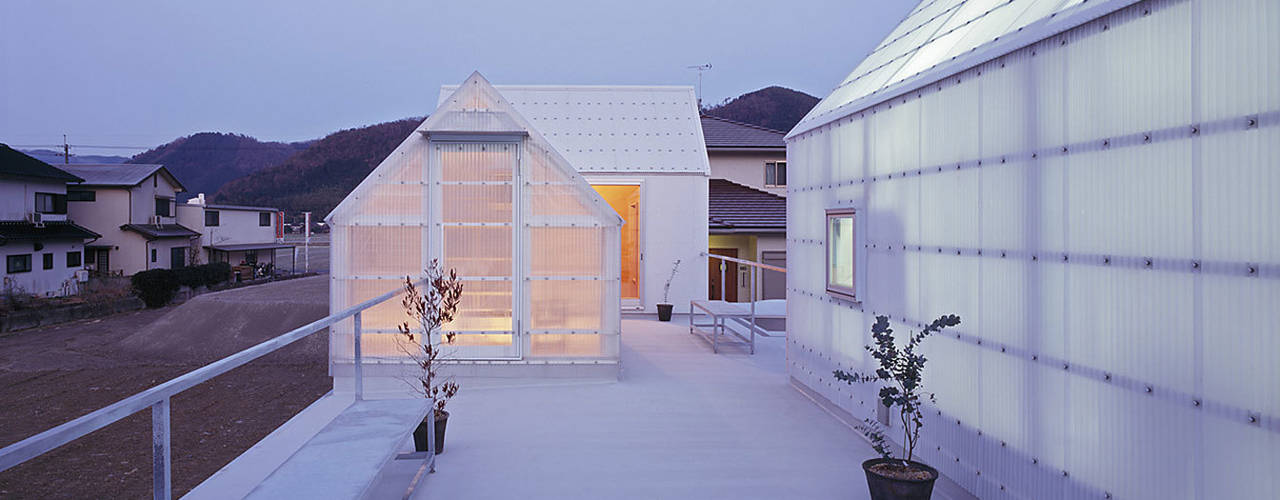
(840,251)
(555,345)
(565,305)
(485,306)
(398,250)
(782,173)
(478,251)
(476,162)
(626,201)
(566,251)
(477,203)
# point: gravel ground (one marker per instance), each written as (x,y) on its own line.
(51,375)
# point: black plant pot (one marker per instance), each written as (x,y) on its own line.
(888,488)
(420,434)
(664,312)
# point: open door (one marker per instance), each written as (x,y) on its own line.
(625,199)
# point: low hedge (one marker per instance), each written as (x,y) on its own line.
(157,286)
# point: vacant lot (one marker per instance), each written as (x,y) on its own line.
(51,375)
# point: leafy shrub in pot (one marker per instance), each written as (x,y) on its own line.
(901,370)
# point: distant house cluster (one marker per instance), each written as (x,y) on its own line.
(60,225)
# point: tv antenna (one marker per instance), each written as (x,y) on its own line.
(700,69)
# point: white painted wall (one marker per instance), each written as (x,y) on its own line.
(673,226)
(116,206)
(18,197)
(1080,371)
(235,226)
(60,280)
(746,168)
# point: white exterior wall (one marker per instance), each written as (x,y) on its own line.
(673,225)
(1028,195)
(40,281)
(116,206)
(235,227)
(18,197)
(746,168)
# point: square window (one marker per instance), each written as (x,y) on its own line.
(211,218)
(48,260)
(81,195)
(153,255)
(264,219)
(51,203)
(775,174)
(73,259)
(162,207)
(18,263)
(841,253)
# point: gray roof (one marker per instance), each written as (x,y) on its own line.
(728,134)
(54,230)
(123,174)
(152,231)
(733,207)
(219,206)
(15,163)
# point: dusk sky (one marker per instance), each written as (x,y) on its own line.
(135,73)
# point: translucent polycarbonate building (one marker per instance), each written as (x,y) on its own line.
(476,187)
(1091,185)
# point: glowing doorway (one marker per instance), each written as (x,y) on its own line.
(625,199)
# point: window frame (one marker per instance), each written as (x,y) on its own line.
(153,255)
(168,206)
(78,261)
(216,218)
(9,261)
(57,203)
(46,260)
(82,195)
(267,222)
(771,167)
(852,292)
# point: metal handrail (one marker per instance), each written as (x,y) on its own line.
(157,398)
(755,270)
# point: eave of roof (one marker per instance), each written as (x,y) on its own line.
(14,163)
(153,232)
(733,207)
(121,175)
(23,230)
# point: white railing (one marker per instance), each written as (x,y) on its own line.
(157,399)
(718,313)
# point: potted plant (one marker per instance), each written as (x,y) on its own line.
(428,313)
(664,307)
(901,369)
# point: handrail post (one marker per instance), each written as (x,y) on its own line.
(359,368)
(161,480)
(753,309)
(724,284)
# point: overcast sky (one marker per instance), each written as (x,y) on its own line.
(141,73)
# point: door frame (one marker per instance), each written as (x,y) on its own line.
(434,235)
(638,303)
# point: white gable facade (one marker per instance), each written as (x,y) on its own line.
(642,148)
(1091,186)
(478,188)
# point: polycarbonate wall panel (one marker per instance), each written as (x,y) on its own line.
(1100,209)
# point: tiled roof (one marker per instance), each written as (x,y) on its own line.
(18,164)
(123,174)
(724,133)
(23,230)
(152,231)
(620,128)
(733,207)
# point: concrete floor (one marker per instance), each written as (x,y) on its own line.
(681,423)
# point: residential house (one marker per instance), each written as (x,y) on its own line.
(236,234)
(479,189)
(747,207)
(1092,187)
(133,207)
(43,250)
(641,148)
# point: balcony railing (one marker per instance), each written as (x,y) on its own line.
(157,399)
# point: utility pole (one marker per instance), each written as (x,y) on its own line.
(700,68)
(66,151)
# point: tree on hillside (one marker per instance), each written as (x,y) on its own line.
(777,108)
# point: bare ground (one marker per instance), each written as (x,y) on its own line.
(52,375)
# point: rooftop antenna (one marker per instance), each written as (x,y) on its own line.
(700,68)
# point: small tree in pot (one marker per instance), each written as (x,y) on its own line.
(901,369)
(428,313)
(665,307)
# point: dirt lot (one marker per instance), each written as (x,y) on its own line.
(51,375)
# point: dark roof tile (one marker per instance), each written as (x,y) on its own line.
(724,133)
(18,164)
(735,207)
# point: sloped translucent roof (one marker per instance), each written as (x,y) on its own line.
(940,37)
(614,128)
(475,108)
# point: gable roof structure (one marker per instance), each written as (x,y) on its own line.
(14,163)
(725,134)
(120,175)
(733,207)
(477,108)
(942,37)
(614,128)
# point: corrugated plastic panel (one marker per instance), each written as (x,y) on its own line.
(1099,207)
(615,129)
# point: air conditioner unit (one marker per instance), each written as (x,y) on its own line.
(82,275)
(36,218)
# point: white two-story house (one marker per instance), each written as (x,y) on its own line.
(42,249)
(235,234)
(133,207)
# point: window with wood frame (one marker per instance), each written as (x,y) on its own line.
(841,253)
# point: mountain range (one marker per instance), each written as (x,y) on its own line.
(315,175)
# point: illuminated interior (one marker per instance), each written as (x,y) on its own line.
(625,199)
